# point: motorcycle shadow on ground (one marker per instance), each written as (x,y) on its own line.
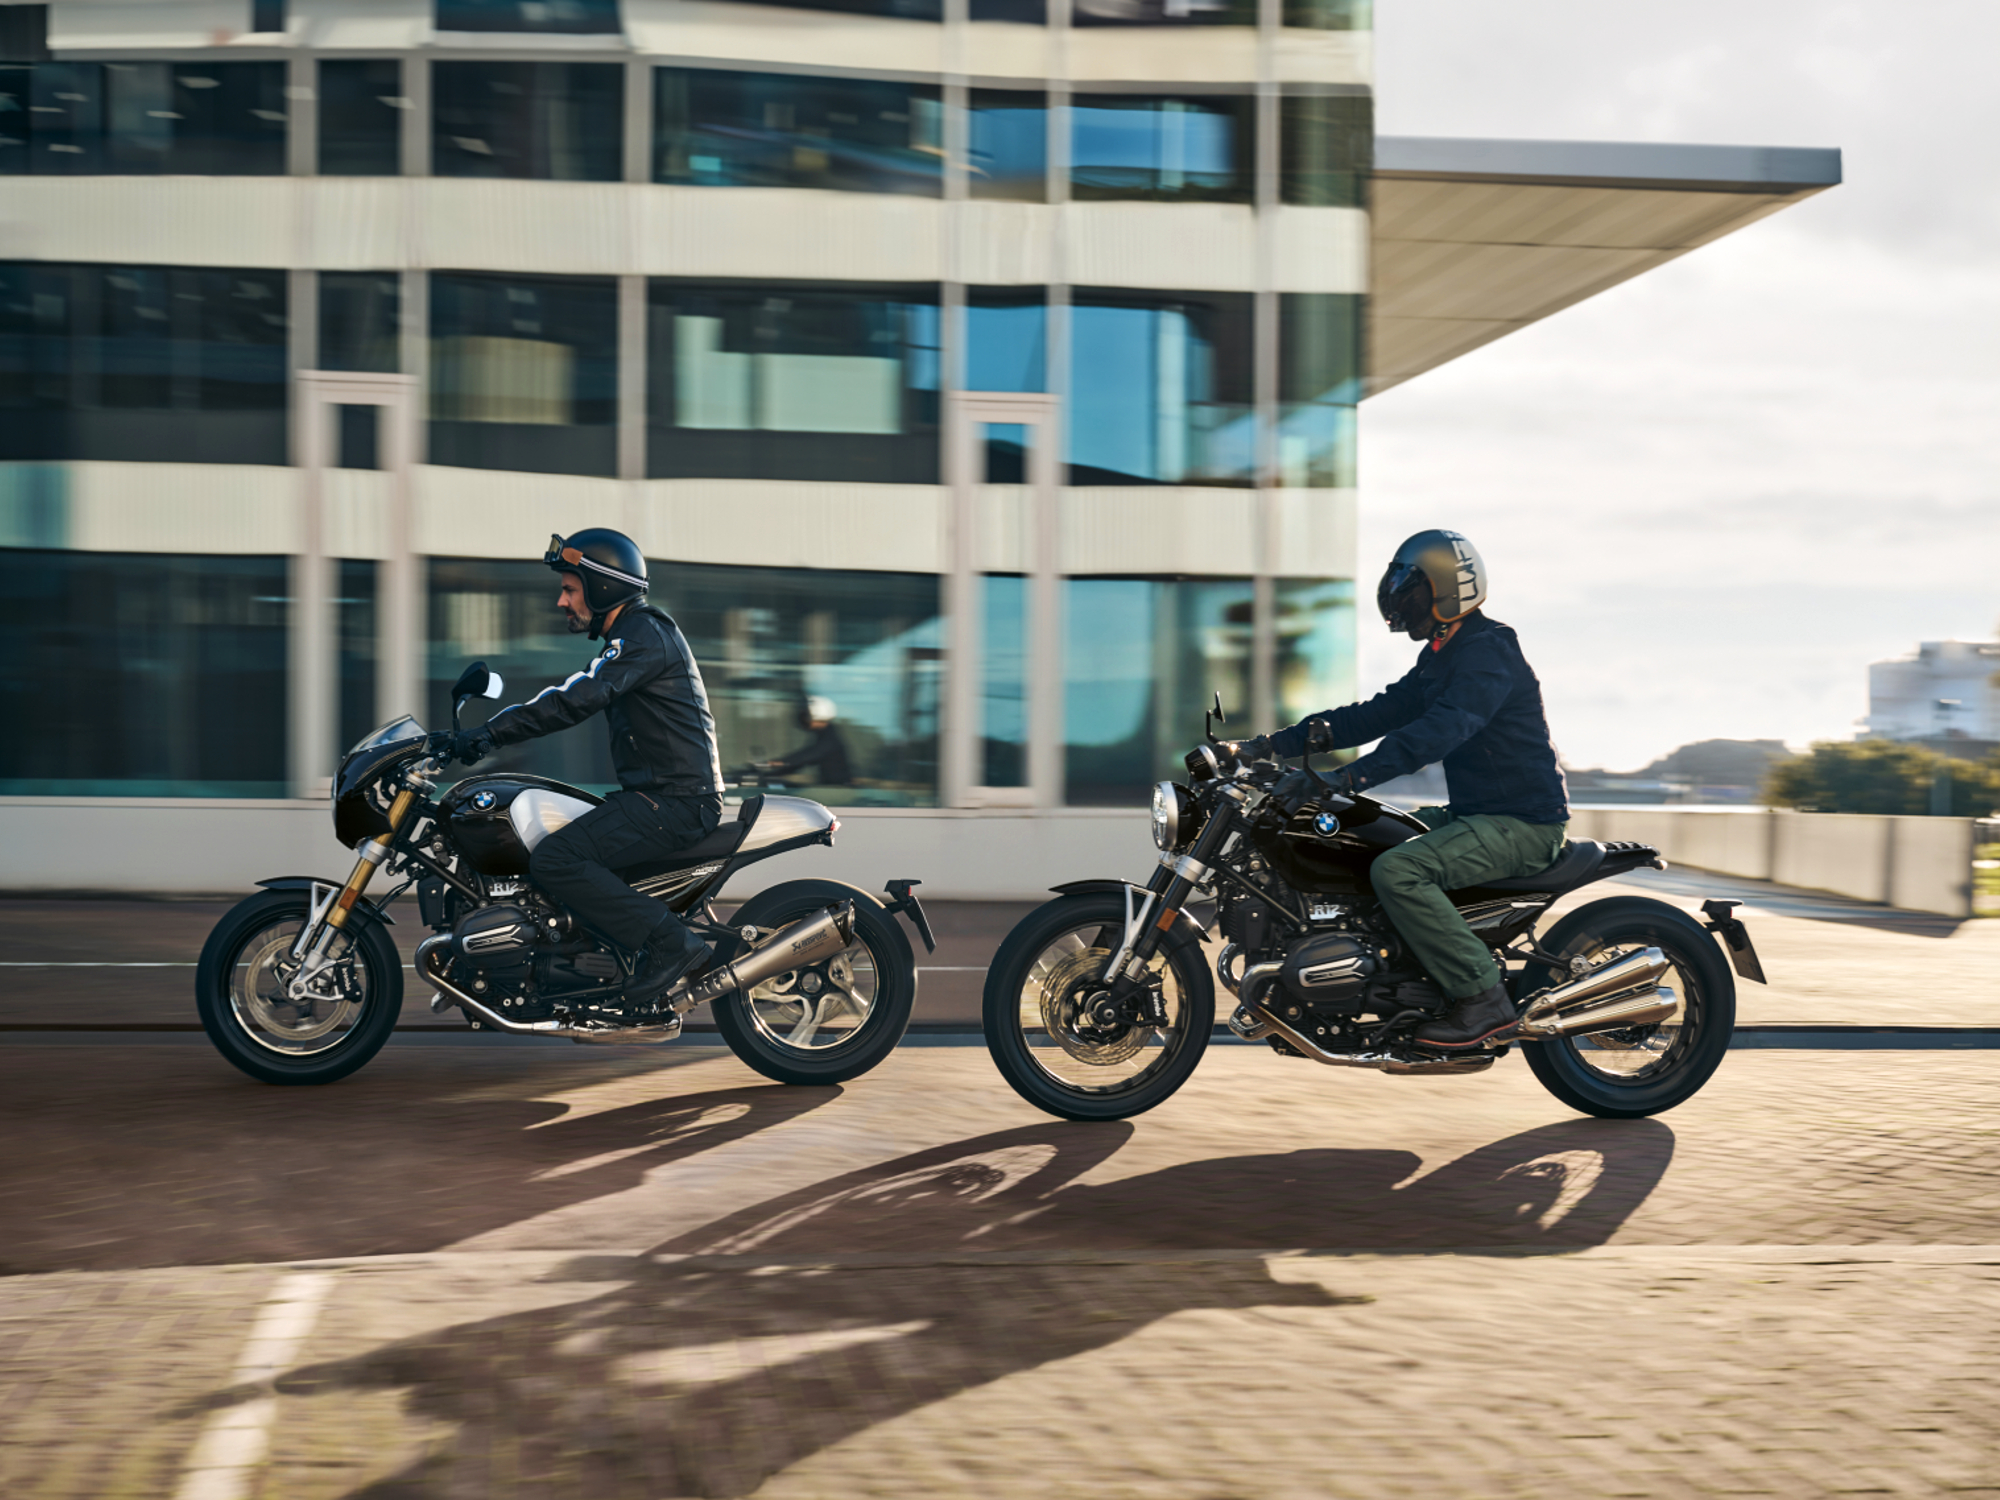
(731,1354)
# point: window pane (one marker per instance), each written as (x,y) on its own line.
(1140,659)
(802,382)
(1022,12)
(1331,15)
(357,437)
(354,613)
(1126,146)
(361,109)
(1003,698)
(528,119)
(1315,646)
(908,10)
(142,676)
(528,15)
(360,321)
(721,129)
(1319,385)
(1006,339)
(195,118)
(1161,388)
(1009,145)
(1164,13)
(524,373)
(1326,146)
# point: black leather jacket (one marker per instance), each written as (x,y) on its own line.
(650,690)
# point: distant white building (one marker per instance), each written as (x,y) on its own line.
(1948,689)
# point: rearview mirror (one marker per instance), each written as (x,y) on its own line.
(495,686)
(471,682)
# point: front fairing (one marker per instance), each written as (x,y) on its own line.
(355,815)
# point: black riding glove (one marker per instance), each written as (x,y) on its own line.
(1255,748)
(466,746)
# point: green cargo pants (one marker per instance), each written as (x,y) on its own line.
(1411,880)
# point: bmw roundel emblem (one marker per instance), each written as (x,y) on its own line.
(483,800)
(1326,824)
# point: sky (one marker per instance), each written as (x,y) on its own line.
(1711,497)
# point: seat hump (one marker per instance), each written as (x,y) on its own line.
(1576,864)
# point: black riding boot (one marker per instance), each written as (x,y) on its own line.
(1484,1019)
(673,953)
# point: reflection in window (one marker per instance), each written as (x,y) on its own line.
(1326,147)
(907,10)
(190,119)
(1160,387)
(361,109)
(524,373)
(1003,688)
(360,320)
(1315,629)
(142,363)
(1008,145)
(1140,659)
(1128,146)
(557,120)
(354,613)
(1020,12)
(793,382)
(142,676)
(765,639)
(1319,385)
(1330,15)
(1164,13)
(1006,338)
(723,129)
(541,16)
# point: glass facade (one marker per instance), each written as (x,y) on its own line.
(1161,388)
(1007,154)
(816,380)
(906,10)
(1330,15)
(361,110)
(724,129)
(355,622)
(1163,13)
(360,321)
(1199,147)
(1140,658)
(210,119)
(765,638)
(142,676)
(142,362)
(1006,338)
(555,120)
(1326,146)
(1319,385)
(524,373)
(1315,629)
(544,17)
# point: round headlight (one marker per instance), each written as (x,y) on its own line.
(1166,815)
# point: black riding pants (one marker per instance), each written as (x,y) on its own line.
(577,865)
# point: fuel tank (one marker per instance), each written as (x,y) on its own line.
(497,820)
(1331,853)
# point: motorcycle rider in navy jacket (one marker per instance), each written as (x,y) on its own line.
(1473,703)
(647,686)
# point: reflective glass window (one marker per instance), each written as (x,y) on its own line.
(805,381)
(1140,658)
(1008,145)
(558,120)
(1315,639)
(158,363)
(542,16)
(1006,338)
(524,373)
(1200,147)
(24,33)
(1160,388)
(361,110)
(1319,385)
(766,640)
(907,10)
(721,129)
(1021,12)
(142,676)
(1163,13)
(1330,15)
(205,119)
(354,613)
(360,321)
(1326,146)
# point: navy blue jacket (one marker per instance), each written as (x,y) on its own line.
(1475,705)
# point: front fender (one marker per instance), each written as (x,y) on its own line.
(367,910)
(1186,925)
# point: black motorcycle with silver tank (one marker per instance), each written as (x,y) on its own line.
(813,980)
(1099,1003)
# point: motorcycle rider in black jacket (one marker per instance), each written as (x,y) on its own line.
(646,684)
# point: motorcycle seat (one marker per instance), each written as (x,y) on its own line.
(1573,867)
(727,838)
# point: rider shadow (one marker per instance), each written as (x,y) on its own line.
(709,1374)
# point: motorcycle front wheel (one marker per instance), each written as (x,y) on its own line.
(1050,1047)
(242,994)
(833,1020)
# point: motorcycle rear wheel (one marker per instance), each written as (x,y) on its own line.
(1045,1047)
(1642,1070)
(240,996)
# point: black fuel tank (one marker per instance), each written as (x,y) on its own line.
(476,813)
(1331,854)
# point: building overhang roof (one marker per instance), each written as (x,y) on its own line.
(1472,239)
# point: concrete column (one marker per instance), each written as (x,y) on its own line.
(1263,703)
(416,115)
(313,684)
(302,115)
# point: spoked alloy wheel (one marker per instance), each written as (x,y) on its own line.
(244,994)
(1640,1070)
(1061,1041)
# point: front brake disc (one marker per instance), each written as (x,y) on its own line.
(1069,986)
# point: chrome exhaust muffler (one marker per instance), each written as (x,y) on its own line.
(1640,1008)
(1635,971)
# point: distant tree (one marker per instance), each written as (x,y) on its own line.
(1881,776)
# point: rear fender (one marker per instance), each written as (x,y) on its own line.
(1184,924)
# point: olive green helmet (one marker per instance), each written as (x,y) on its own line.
(1435,578)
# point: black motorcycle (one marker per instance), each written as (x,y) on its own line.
(812,983)
(1099,1003)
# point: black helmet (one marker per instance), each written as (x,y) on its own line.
(612,568)
(1435,577)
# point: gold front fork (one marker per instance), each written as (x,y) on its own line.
(373,852)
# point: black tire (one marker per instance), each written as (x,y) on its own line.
(242,1018)
(1081,925)
(1610,1076)
(747,1022)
